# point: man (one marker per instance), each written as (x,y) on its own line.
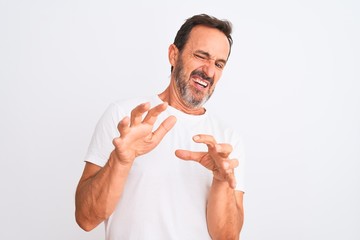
(137,176)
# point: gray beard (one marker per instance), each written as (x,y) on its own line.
(186,93)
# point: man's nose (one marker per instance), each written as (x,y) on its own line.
(209,68)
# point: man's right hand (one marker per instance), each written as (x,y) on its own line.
(100,188)
(136,133)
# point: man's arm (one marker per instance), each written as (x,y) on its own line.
(224,212)
(100,189)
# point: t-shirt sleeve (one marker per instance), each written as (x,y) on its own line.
(105,131)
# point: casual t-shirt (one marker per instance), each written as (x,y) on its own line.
(164,197)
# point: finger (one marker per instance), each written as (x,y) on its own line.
(206,139)
(229,165)
(117,142)
(137,113)
(189,155)
(231,180)
(223,149)
(153,113)
(164,127)
(123,126)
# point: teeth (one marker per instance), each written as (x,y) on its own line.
(202,83)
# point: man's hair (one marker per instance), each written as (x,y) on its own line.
(205,20)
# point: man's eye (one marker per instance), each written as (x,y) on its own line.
(219,65)
(200,56)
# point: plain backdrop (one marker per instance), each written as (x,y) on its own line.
(291,88)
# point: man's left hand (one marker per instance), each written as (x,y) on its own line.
(215,159)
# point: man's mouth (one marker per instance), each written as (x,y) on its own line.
(201,79)
(202,83)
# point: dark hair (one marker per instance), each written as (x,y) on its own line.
(202,19)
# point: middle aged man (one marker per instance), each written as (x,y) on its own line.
(137,176)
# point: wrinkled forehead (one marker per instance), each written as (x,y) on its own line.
(210,40)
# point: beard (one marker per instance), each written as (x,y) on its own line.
(192,97)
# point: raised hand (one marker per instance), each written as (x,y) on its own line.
(215,159)
(136,133)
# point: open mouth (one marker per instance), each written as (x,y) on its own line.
(200,82)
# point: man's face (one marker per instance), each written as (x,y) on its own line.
(200,65)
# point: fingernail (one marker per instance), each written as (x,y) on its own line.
(226,165)
(196,137)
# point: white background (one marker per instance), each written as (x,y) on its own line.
(291,88)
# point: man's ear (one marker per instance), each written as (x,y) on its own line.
(173,54)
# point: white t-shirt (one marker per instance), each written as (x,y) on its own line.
(164,197)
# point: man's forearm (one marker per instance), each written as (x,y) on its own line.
(224,211)
(98,195)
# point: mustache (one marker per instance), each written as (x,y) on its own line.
(203,76)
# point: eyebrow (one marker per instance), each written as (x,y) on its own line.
(209,56)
